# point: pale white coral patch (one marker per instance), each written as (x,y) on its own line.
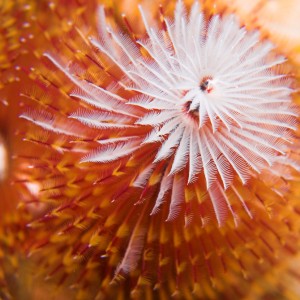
(212,92)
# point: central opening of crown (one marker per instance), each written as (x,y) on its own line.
(194,97)
(206,84)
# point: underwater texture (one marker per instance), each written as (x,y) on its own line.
(149,149)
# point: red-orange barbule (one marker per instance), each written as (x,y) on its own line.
(164,160)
